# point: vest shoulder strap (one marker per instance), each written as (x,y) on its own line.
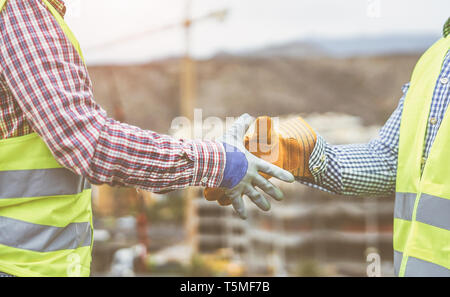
(61,23)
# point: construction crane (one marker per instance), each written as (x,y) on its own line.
(188,94)
(188,91)
(187,77)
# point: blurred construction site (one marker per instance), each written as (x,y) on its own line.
(310,233)
(343,87)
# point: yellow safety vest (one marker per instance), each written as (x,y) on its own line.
(422,203)
(45,209)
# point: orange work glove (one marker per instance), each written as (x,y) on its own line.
(289,147)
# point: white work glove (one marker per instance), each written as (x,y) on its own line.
(233,139)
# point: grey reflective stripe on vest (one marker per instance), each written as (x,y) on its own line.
(398,256)
(42,238)
(404,205)
(417,267)
(431,210)
(40,182)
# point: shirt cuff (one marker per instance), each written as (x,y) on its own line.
(236,166)
(209,163)
(318,160)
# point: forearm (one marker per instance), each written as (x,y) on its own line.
(83,139)
(129,156)
(359,169)
(354,169)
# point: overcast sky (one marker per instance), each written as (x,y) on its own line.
(250,23)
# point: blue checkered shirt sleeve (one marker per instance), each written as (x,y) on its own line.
(359,169)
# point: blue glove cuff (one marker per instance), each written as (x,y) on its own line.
(235,167)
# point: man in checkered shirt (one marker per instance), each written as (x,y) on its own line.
(353,169)
(371,169)
(406,165)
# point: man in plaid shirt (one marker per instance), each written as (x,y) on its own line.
(371,169)
(45,88)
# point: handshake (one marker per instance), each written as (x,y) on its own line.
(282,152)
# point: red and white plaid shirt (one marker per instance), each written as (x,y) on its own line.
(45,88)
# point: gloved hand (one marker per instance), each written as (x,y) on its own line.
(242,171)
(288,147)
